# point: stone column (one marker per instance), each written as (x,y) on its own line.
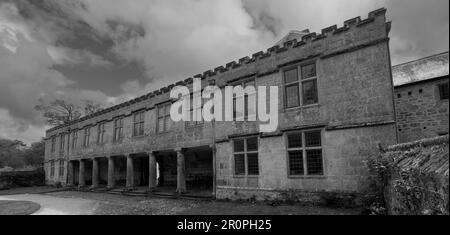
(70,173)
(111,177)
(130,173)
(81,180)
(181,172)
(151,170)
(95,173)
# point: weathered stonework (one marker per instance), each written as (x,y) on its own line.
(355,114)
(421,113)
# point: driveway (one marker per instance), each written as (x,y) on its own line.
(57,206)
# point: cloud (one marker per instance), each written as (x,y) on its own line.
(419,28)
(12,128)
(28,73)
(176,39)
(57,47)
(71,57)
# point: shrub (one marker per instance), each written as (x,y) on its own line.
(411,178)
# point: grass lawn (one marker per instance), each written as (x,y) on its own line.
(18,207)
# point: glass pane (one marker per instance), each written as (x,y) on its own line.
(161,125)
(308,71)
(167,110)
(141,128)
(296,163)
(443,91)
(252,144)
(135,129)
(295,140)
(252,164)
(310,92)
(191,117)
(239,164)
(291,76)
(313,139)
(239,107)
(167,123)
(239,146)
(198,115)
(292,97)
(250,105)
(314,162)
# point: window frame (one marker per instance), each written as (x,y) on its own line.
(53,144)
(441,87)
(299,83)
(101,130)
(118,129)
(62,143)
(139,122)
(246,152)
(192,123)
(245,99)
(75,139)
(87,137)
(304,150)
(61,168)
(163,117)
(52,168)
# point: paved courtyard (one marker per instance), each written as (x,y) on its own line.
(84,203)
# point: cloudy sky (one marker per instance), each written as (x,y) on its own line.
(113,50)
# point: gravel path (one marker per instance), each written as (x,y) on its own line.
(83,203)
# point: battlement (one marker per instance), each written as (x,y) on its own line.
(306,40)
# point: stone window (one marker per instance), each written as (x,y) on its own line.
(118,129)
(305,153)
(62,143)
(101,133)
(61,167)
(443,91)
(138,123)
(245,152)
(303,90)
(247,101)
(53,144)
(164,118)
(192,110)
(87,136)
(74,139)
(52,168)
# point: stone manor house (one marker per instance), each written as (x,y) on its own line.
(336,106)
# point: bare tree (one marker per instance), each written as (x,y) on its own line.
(59,111)
(91,107)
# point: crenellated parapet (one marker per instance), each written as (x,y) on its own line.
(307,40)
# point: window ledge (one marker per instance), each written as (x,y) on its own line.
(320,177)
(285,110)
(246,176)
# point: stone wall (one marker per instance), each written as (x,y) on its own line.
(344,154)
(418,177)
(420,111)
